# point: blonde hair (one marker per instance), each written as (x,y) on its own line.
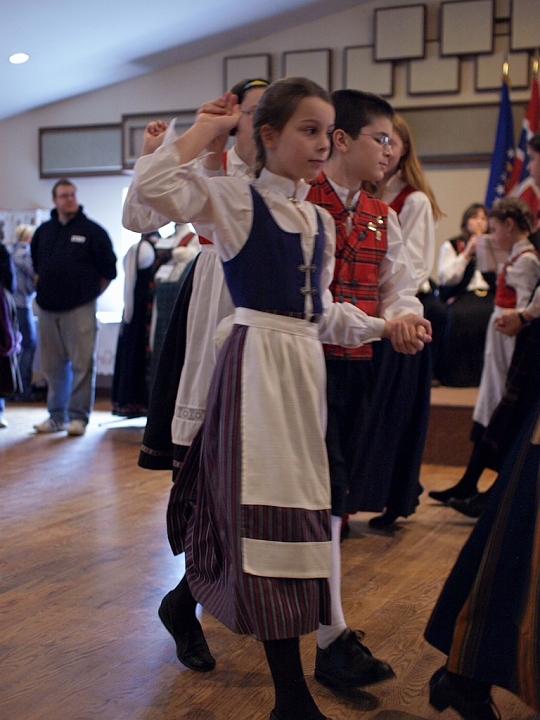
(410,167)
(24,233)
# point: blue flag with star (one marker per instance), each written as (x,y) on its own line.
(503,152)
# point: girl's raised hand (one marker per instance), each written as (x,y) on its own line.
(153,136)
(222,113)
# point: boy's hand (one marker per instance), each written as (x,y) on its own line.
(408,334)
(510,322)
(153,136)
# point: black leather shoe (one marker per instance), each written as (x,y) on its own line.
(471,507)
(475,703)
(384,521)
(191,647)
(346,663)
(444,496)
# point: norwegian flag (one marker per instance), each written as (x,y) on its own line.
(520,183)
(531,121)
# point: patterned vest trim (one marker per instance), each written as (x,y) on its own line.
(358,255)
(398,202)
(506,296)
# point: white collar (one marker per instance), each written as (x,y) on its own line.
(343,193)
(282,185)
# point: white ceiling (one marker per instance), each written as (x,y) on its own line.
(76,46)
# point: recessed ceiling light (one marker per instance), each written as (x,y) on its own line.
(19,58)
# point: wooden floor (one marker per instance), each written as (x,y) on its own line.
(84,562)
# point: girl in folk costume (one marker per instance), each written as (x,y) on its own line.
(251,504)
(400,403)
(470,296)
(177,404)
(511,223)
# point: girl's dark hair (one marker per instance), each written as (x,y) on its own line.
(534,142)
(276,107)
(470,212)
(242,87)
(515,209)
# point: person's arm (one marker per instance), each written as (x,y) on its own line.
(523,276)
(418,232)
(346,325)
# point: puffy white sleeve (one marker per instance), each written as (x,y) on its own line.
(523,276)
(452,265)
(397,277)
(342,323)
(418,232)
(533,308)
(221,207)
(140,218)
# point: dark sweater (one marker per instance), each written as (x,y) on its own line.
(70,261)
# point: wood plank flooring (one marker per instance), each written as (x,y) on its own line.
(84,562)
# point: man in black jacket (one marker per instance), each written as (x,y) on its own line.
(74,262)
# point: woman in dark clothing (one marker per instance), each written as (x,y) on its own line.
(470,296)
(10,379)
(486,618)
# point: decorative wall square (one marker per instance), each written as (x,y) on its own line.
(434,75)
(313,64)
(80,150)
(525,22)
(360,72)
(467,27)
(489,68)
(399,32)
(240,67)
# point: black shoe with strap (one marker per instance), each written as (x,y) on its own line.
(471,699)
(346,663)
(383,522)
(191,647)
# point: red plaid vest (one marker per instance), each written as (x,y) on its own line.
(358,255)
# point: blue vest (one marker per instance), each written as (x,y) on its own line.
(269,273)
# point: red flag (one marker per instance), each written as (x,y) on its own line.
(531,122)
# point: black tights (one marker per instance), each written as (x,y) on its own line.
(184,605)
(293,699)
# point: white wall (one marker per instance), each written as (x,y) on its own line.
(186,86)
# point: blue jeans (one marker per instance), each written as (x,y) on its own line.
(68,358)
(27,327)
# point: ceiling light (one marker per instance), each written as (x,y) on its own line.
(19,58)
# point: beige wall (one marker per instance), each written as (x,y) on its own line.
(186,86)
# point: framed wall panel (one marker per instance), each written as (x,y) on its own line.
(399,32)
(525,24)
(467,27)
(80,150)
(360,72)
(133,131)
(434,75)
(313,64)
(239,67)
(488,68)
(461,134)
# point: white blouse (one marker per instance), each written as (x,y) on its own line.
(222,207)
(452,266)
(417,227)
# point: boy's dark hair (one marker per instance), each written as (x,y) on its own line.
(356,109)
(534,142)
(517,210)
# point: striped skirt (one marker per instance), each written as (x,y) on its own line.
(250,505)
(487,617)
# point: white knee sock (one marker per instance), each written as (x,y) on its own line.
(326,634)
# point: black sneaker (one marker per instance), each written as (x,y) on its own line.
(346,663)
(191,647)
